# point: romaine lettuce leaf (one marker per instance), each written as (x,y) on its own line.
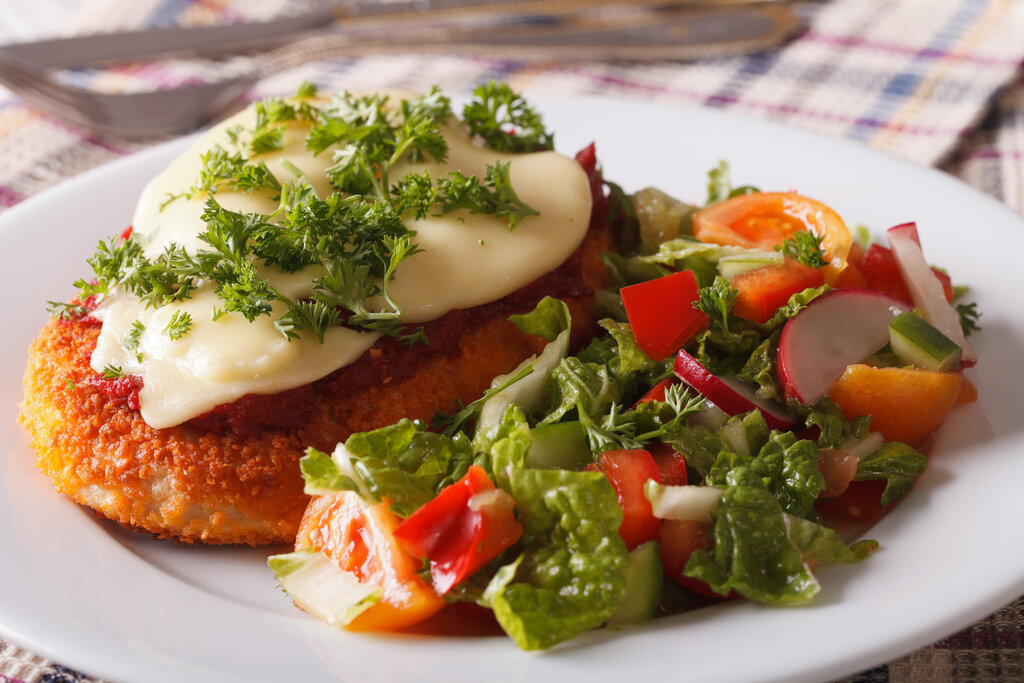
(785,466)
(551,320)
(629,358)
(762,553)
(592,387)
(504,446)
(898,464)
(570,576)
(701,446)
(402,462)
(834,429)
(796,303)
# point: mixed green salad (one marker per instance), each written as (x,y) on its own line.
(713,434)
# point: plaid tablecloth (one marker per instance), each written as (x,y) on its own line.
(937,82)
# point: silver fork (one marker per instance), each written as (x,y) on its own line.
(564,30)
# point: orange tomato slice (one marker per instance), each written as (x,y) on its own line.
(360,538)
(905,404)
(763,220)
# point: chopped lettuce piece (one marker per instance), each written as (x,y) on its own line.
(898,464)
(551,320)
(592,387)
(630,358)
(785,466)
(571,574)
(797,302)
(503,447)
(762,553)
(401,462)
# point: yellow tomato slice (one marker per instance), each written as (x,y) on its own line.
(905,404)
(360,538)
(763,220)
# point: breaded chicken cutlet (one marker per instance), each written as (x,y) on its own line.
(230,474)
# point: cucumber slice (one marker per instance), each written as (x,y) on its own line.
(562,445)
(730,266)
(320,587)
(916,341)
(644,582)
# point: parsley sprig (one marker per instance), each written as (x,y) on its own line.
(628,429)
(804,246)
(717,301)
(505,121)
(419,196)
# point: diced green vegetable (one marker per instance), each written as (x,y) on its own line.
(916,341)
(562,445)
(644,582)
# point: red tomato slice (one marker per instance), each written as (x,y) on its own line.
(661,313)
(657,392)
(671,464)
(762,291)
(463,528)
(765,219)
(676,542)
(860,503)
(883,274)
(628,471)
(360,538)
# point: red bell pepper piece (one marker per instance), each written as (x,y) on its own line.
(628,471)
(463,528)
(760,292)
(661,313)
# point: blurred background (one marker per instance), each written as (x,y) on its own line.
(938,83)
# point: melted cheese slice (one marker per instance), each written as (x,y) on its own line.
(466,260)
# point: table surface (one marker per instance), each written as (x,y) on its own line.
(937,82)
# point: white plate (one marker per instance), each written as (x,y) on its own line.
(125,607)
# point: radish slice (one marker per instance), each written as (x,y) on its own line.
(838,328)
(926,289)
(732,395)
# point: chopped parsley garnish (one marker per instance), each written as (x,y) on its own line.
(716,301)
(179,325)
(968,317)
(627,429)
(131,342)
(375,138)
(804,246)
(355,237)
(417,194)
(66,310)
(112,372)
(505,121)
